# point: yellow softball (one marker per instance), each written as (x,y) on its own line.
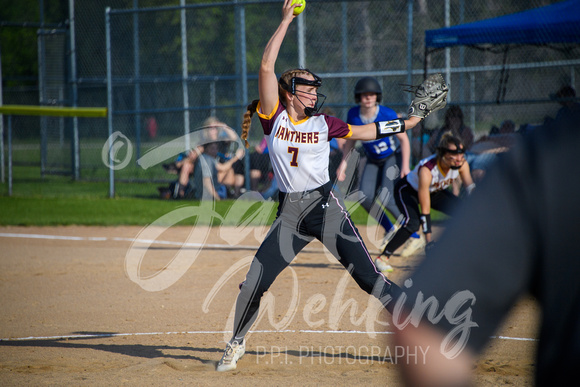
(298,10)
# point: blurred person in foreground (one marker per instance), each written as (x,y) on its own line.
(506,241)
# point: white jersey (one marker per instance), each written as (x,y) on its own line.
(299,151)
(439,181)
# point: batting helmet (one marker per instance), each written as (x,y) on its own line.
(367,85)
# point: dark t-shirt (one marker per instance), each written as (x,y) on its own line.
(516,235)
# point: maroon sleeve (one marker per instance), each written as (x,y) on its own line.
(337,128)
(267,120)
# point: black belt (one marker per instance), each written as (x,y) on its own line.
(296,196)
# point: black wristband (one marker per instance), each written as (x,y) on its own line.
(426,223)
(389,128)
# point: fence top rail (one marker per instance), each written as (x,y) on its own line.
(58,111)
(119,11)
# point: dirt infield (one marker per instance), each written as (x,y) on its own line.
(72,315)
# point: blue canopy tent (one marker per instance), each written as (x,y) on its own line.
(552,24)
(556,23)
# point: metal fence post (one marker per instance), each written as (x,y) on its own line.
(41,94)
(73,71)
(184,74)
(109,100)
(447,49)
(137,76)
(1,125)
(9,155)
(242,69)
(410,65)
(344,36)
(301,27)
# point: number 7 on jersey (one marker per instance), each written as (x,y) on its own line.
(294,152)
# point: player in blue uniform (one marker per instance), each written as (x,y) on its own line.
(387,159)
(298,140)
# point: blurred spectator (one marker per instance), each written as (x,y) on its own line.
(226,174)
(183,166)
(566,114)
(485,150)
(213,132)
(226,183)
(216,131)
(506,127)
(420,138)
(499,139)
(566,97)
(151,126)
(259,168)
(453,122)
(212,177)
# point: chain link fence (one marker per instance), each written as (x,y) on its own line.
(170,67)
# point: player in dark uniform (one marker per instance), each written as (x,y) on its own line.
(298,141)
(510,238)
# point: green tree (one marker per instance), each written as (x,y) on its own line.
(18,36)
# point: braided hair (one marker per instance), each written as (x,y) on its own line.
(247,121)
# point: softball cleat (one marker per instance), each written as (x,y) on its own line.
(234,352)
(382,265)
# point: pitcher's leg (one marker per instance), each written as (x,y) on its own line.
(275,253)
(341,237)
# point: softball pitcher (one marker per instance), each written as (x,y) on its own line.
(298,139)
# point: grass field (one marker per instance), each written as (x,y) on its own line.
(54,200)
(101,211)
